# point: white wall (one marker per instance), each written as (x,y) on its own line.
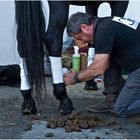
(133,10)
(8,53)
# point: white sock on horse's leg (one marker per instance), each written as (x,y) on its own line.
(56,67)
(25,85)
(91,53)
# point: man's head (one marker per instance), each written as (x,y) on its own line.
(80,26)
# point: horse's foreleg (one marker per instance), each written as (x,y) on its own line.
(118,8)
(90,85)
(54,40)
(91,9)
(59,89)
(28,106)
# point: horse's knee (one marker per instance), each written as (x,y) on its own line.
(49,37)
(54,43)
(59,91)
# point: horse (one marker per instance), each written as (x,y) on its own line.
(33,40)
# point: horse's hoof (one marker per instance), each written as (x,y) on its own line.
(29,107)
(91,85)
(66,106)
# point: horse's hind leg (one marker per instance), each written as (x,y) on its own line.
(54,40)
(118,8)
(30,39)
(28,105)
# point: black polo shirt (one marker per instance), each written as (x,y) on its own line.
(120,38)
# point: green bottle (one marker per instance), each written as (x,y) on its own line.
(76,59)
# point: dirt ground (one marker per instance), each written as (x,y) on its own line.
(14,125)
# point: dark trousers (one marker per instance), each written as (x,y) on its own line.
(113,80)
(128,101)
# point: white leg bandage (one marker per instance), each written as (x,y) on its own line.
(56,67)
(25,85)
(91,54)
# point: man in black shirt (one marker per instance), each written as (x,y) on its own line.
(116,42)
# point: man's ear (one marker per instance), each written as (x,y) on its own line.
(84,27)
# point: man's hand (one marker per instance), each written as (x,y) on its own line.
(101,63)
(69,78)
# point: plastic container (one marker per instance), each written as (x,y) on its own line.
(76,59)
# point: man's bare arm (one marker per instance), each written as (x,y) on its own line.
(98,67)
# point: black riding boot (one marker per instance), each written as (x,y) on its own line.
(105,106)
(28,105)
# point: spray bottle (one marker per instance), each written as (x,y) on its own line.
(76,59)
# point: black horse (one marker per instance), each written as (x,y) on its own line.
(33,40)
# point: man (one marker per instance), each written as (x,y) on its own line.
(113,83)
(117,42)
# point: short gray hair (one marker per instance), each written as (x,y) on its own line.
(75,21)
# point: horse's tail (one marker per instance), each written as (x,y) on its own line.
(30,38)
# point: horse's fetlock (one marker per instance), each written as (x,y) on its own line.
(26,94)
(29,106)
(59,91)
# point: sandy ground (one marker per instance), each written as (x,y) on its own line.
(14,125)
